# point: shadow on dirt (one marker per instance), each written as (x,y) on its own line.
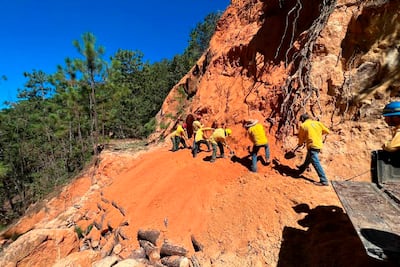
(245,161)
(329,240)
(288,171)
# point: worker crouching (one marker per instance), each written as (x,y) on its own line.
(179,136)
(218,138)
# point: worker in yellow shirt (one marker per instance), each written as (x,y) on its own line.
(199,139)
(179,136)
(391,113)
(218,138)
(257,135)
(310,134)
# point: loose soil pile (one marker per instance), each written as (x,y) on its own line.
(241,218)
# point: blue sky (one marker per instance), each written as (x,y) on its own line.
(38,34)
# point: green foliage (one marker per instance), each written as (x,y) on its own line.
(181,97)
(164,125)
(200,37)
(79,232)
(48,136)
(82,233)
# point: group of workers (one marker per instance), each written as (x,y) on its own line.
(216,140)
(310,135)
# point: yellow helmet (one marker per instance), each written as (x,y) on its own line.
(228,132)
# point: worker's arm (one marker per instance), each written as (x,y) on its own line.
(394,144)
(390,147)
(207,129)
(325,130)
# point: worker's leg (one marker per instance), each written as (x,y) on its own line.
(182,141)
(195,149)
(254,153)
(208,145)
(177,142)
(267,154)
(317,165)
(173,144)
(201,142)
(221,149)
(306,162)
(214,152)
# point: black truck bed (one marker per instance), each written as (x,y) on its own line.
(374,207)
(375,217)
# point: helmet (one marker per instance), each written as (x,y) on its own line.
(250,122)
(228,132)
(391,109)
(304,117)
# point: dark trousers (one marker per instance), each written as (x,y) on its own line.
(254,153)
(214,151)
(196,147)
(312,157)
(176,140)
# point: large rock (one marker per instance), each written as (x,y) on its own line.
(40,247)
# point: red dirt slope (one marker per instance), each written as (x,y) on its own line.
(241,218)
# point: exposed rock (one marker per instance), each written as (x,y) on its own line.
(106,261)
(28,249)
(82,258)
(268,60)
(129,263)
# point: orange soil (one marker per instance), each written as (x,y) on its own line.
(241,218)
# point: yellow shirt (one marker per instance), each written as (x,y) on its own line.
(311,132)
(200,134)
(218,136)
(394,144)
(179,132)
(257,135)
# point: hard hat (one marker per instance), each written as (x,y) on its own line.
(304,117)
(391,109)
(250,122)
(228,132)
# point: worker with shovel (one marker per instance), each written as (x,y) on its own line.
(179,136)
(218,138)
(257,135)
(310,134)
(199,138)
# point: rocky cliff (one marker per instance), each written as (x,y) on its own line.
(269,60)
(273,60)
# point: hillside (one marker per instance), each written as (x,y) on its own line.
(241,218)
(269,60)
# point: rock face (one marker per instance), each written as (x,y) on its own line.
(269,60)
(28,249)
(275,59)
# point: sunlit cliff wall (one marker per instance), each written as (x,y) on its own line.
(275,59)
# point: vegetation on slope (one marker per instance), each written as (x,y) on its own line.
(55,127)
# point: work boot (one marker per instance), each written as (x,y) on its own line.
(321,183)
